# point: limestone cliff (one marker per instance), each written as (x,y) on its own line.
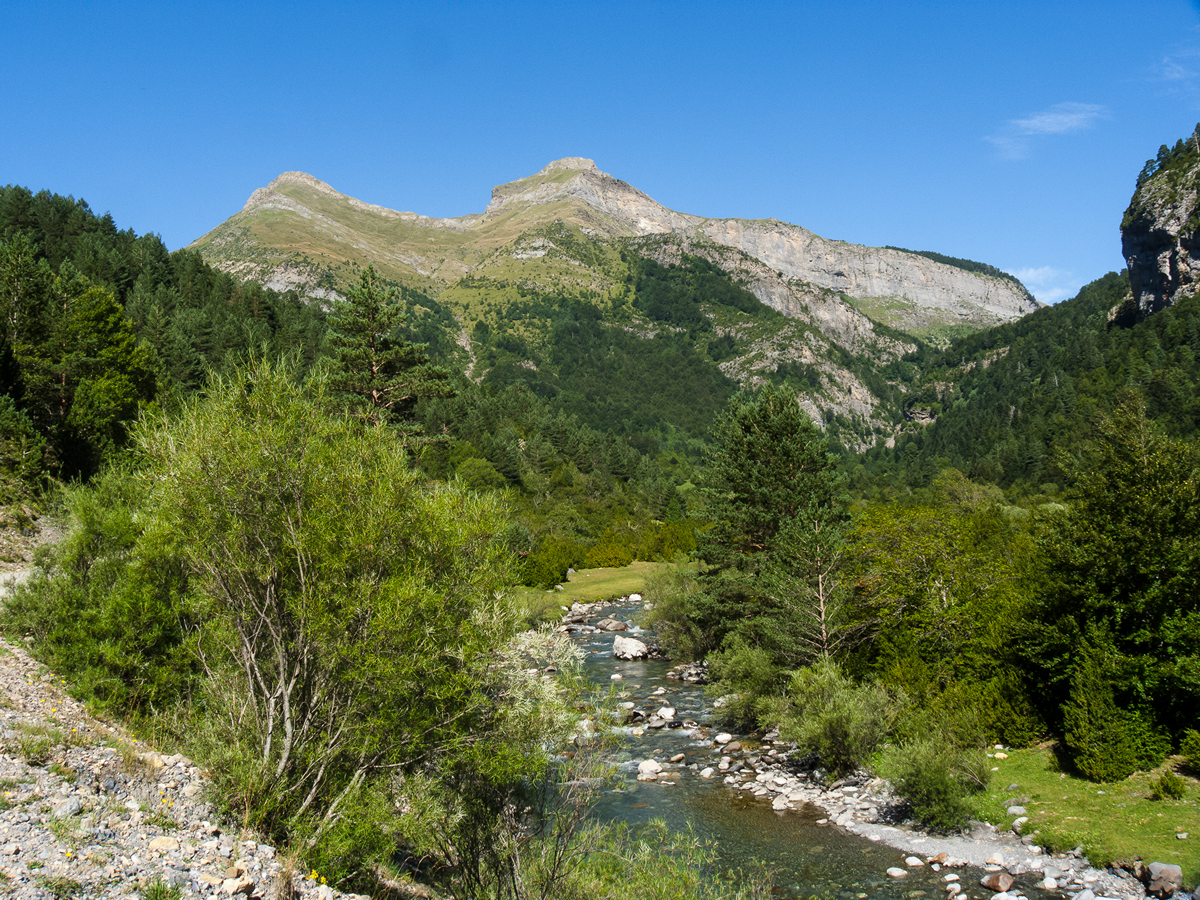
(1160,234)
(923,292)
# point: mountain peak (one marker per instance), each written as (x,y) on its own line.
(578,181)
(572,164)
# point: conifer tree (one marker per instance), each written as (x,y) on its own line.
(384,373)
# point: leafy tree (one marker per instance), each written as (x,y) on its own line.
(386,375)
(347,640)
(940,586)
(74,366)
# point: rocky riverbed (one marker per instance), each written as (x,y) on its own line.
(88,811)
(771,771)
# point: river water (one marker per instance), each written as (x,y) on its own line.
(806,858)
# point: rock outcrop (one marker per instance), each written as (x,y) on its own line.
(1160,234)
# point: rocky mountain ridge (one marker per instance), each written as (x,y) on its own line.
(903,289)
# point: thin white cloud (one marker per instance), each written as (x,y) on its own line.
(1061,119)
(1170,70)
(1014,139)
(1046,283)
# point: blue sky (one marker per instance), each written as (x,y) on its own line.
(1008,133)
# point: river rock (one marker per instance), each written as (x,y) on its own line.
(913,861)
(707,772)
(997,881)
(666,713)
(723,738)
(897,872)
(1017,811)
(635,598)
(648,770)
(629,648)
(1163,879)
(611,625)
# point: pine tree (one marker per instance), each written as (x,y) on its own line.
(383,373)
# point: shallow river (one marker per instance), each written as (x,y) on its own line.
(806,858)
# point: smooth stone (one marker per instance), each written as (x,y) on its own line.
(897,872)
(913,861)
(629,648)
(650,765)
(997,881)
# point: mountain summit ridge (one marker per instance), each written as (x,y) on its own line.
(298,229)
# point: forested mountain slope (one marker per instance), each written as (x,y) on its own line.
(1009,404)
(548,288)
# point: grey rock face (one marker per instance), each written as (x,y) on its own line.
(1160,240)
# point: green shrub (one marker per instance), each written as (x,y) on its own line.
(110,607)
(1189,746)
(547,564)
(1106,743)
(1167,786)
(613,550)
(745,677)
(935,778)
(160,890)
(826,713)
(670,599)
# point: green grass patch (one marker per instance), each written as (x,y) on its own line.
(1113,823)
(587,586)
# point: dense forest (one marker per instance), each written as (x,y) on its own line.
(1011,405)
(1018,564)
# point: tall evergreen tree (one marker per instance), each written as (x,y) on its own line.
(384,374)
